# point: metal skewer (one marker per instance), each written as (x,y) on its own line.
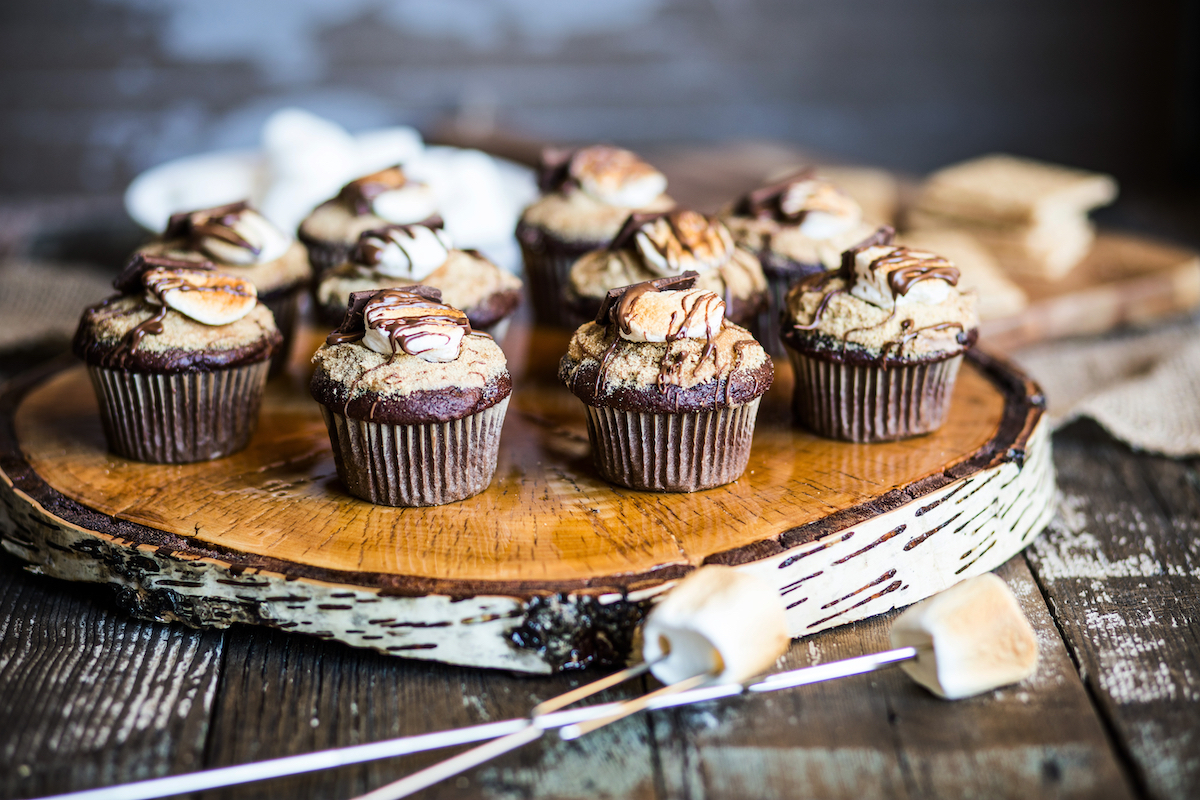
(409,745)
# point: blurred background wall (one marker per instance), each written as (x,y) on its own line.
(96,90)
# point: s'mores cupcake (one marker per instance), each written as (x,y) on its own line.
(238,240)
(178,360)
(651,246)
(797,227)
(671,387)
(587,194)
(412,398)
(877,345)
(387,197)
(399,255)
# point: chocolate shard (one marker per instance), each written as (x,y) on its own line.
(884,234)
(554,168)
(672,283)
(183,224)
(633,223)
(129,281)
(353,324)
(764,201)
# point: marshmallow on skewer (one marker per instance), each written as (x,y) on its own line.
(717,621)
(971,638)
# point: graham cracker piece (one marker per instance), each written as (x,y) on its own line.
(1005,188)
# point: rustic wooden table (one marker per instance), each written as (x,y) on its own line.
(90,696)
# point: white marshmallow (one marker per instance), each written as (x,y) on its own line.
(412,253)
(656,314)
(435,342)
(872,286)
(706,244)
(827,212)
(972,638)
(716,621)
(258,231)
(412,202)
(636,192)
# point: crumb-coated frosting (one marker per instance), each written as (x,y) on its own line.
(736,276)
(280,274)
(800,220)
(664,346)
(372,201)
(184,345)
(588,193)
(467,281)
(841,325)
(403,389)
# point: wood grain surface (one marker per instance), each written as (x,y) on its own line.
(547,518)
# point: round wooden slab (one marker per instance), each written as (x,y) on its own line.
(551,566)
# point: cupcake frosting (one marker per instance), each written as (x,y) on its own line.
(887,302)
(664,345)
(403,356)
(176,316)
(588,193)
(238,240)
(658,245)
(802,218)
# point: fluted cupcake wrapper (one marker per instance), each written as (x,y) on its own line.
(547,271)
(179,418)
(428,464)
(867,403)
(324,256)
(285,308)
(683,452)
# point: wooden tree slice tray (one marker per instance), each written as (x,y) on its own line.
(549,568)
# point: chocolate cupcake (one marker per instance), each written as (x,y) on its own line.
(399,255)
(651,246)
(671,386)
(387,197)
(877,344)
(413,399)
(178,360)
(238,240)
(587,194)
(797,227)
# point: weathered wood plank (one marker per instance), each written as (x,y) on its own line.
(1121,570)
(90,697)
(883,736)
(287,694)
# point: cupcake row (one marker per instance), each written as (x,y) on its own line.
(414,396)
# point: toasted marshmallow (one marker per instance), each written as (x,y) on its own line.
(616,177)
(232,234)
(889,276)
(683,240)
(717,621)
(403,322)
(971,638)
(669,316)
(412,252)
(822,210)
(412,202)
(211,298)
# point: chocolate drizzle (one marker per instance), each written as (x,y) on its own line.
(405,332)
(554,170)
(358,194)
(369,253)
(216,223)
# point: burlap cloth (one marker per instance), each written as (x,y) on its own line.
(1141,386)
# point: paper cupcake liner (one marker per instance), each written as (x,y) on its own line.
(285,308)
(547,271)
(430,464)
(179,418)
(683,452)
(324,256)
(867,403)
